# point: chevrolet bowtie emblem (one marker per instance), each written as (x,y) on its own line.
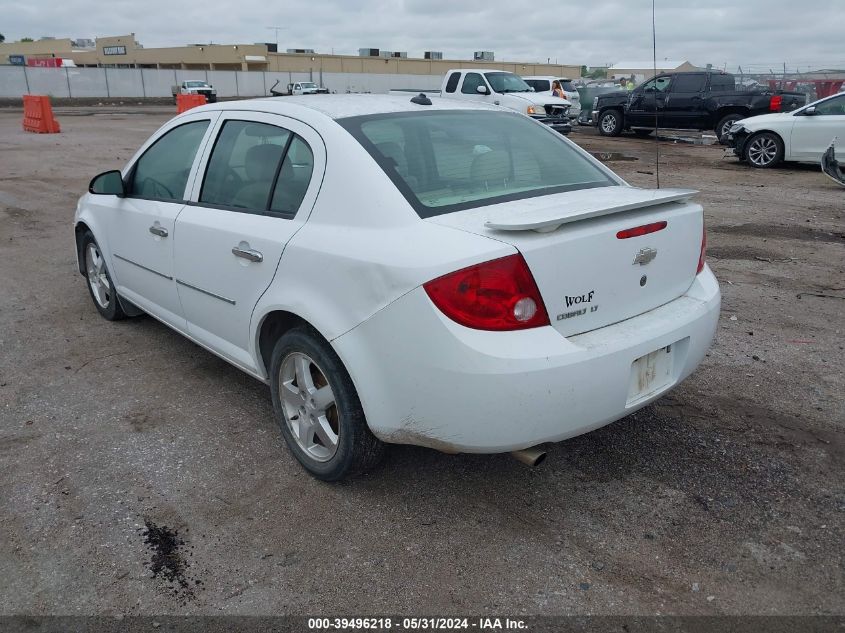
(644,256)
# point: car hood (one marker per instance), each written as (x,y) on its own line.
(764,120)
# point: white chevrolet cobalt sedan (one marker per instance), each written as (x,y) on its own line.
(800,136)
(424,272)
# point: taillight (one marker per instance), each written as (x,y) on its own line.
(775,103)
(701,256)
(497,295)
(644,229)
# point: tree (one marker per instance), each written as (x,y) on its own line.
(27,39)
(2,38)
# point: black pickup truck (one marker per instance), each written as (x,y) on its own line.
(687,101)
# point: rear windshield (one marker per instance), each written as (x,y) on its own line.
(446,161)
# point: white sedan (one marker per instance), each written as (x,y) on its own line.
(443,274)
(800,136)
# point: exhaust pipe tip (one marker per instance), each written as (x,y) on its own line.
(530,456)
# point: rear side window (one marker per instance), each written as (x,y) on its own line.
(447,161)
(243,165)
(294,177)
(568,85)
(471,83)
(722,82)
(162,172)
(452,84)
(688,83)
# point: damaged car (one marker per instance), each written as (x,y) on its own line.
(433,272)
(800,136)
(831,166)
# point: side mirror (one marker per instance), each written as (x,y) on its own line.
(109,183)
(482,90)
(811,111)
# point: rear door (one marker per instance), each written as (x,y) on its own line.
(259,182)
(812,135)
(684,105)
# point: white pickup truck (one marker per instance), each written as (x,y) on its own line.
(195,87)
(498,87)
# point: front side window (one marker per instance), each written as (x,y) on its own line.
(506,82)
(162,172)
(471,83)
(832,106)
(243,165)
(448,161)
(660,84)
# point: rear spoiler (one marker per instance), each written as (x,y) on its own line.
(547,213)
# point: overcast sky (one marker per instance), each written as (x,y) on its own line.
(764,33)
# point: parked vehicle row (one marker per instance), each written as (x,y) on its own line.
(544,84)
(497,87)
(298,88)
(687,101)
(400,270)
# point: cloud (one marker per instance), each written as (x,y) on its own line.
(722,32)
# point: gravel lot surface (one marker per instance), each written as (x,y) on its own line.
(143,475)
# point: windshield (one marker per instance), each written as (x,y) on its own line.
(195,84)
(448,161)
(308,84)
(506,82)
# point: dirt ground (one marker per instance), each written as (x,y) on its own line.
(140,474)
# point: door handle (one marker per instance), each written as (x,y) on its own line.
(247,253)
(156,229)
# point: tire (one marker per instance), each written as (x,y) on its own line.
(724,125)
(643,133)
(610,123)
(100,284)
(328,433)
(763,150)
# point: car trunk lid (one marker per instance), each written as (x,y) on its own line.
(590,273)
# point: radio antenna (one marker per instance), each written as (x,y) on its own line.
(656,121)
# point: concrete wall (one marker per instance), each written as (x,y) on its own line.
(136,82)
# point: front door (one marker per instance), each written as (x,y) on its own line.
(812,135)
(647,102)
(260,181)
(141,225)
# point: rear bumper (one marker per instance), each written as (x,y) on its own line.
(426,380)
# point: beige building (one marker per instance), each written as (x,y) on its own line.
(123,51)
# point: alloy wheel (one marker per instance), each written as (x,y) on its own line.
(309,406)
(95,268)
(608,123)
(762,151)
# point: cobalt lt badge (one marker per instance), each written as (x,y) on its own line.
(644,256)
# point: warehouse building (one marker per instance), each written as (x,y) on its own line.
(124,51)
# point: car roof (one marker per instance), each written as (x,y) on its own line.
(340,106)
